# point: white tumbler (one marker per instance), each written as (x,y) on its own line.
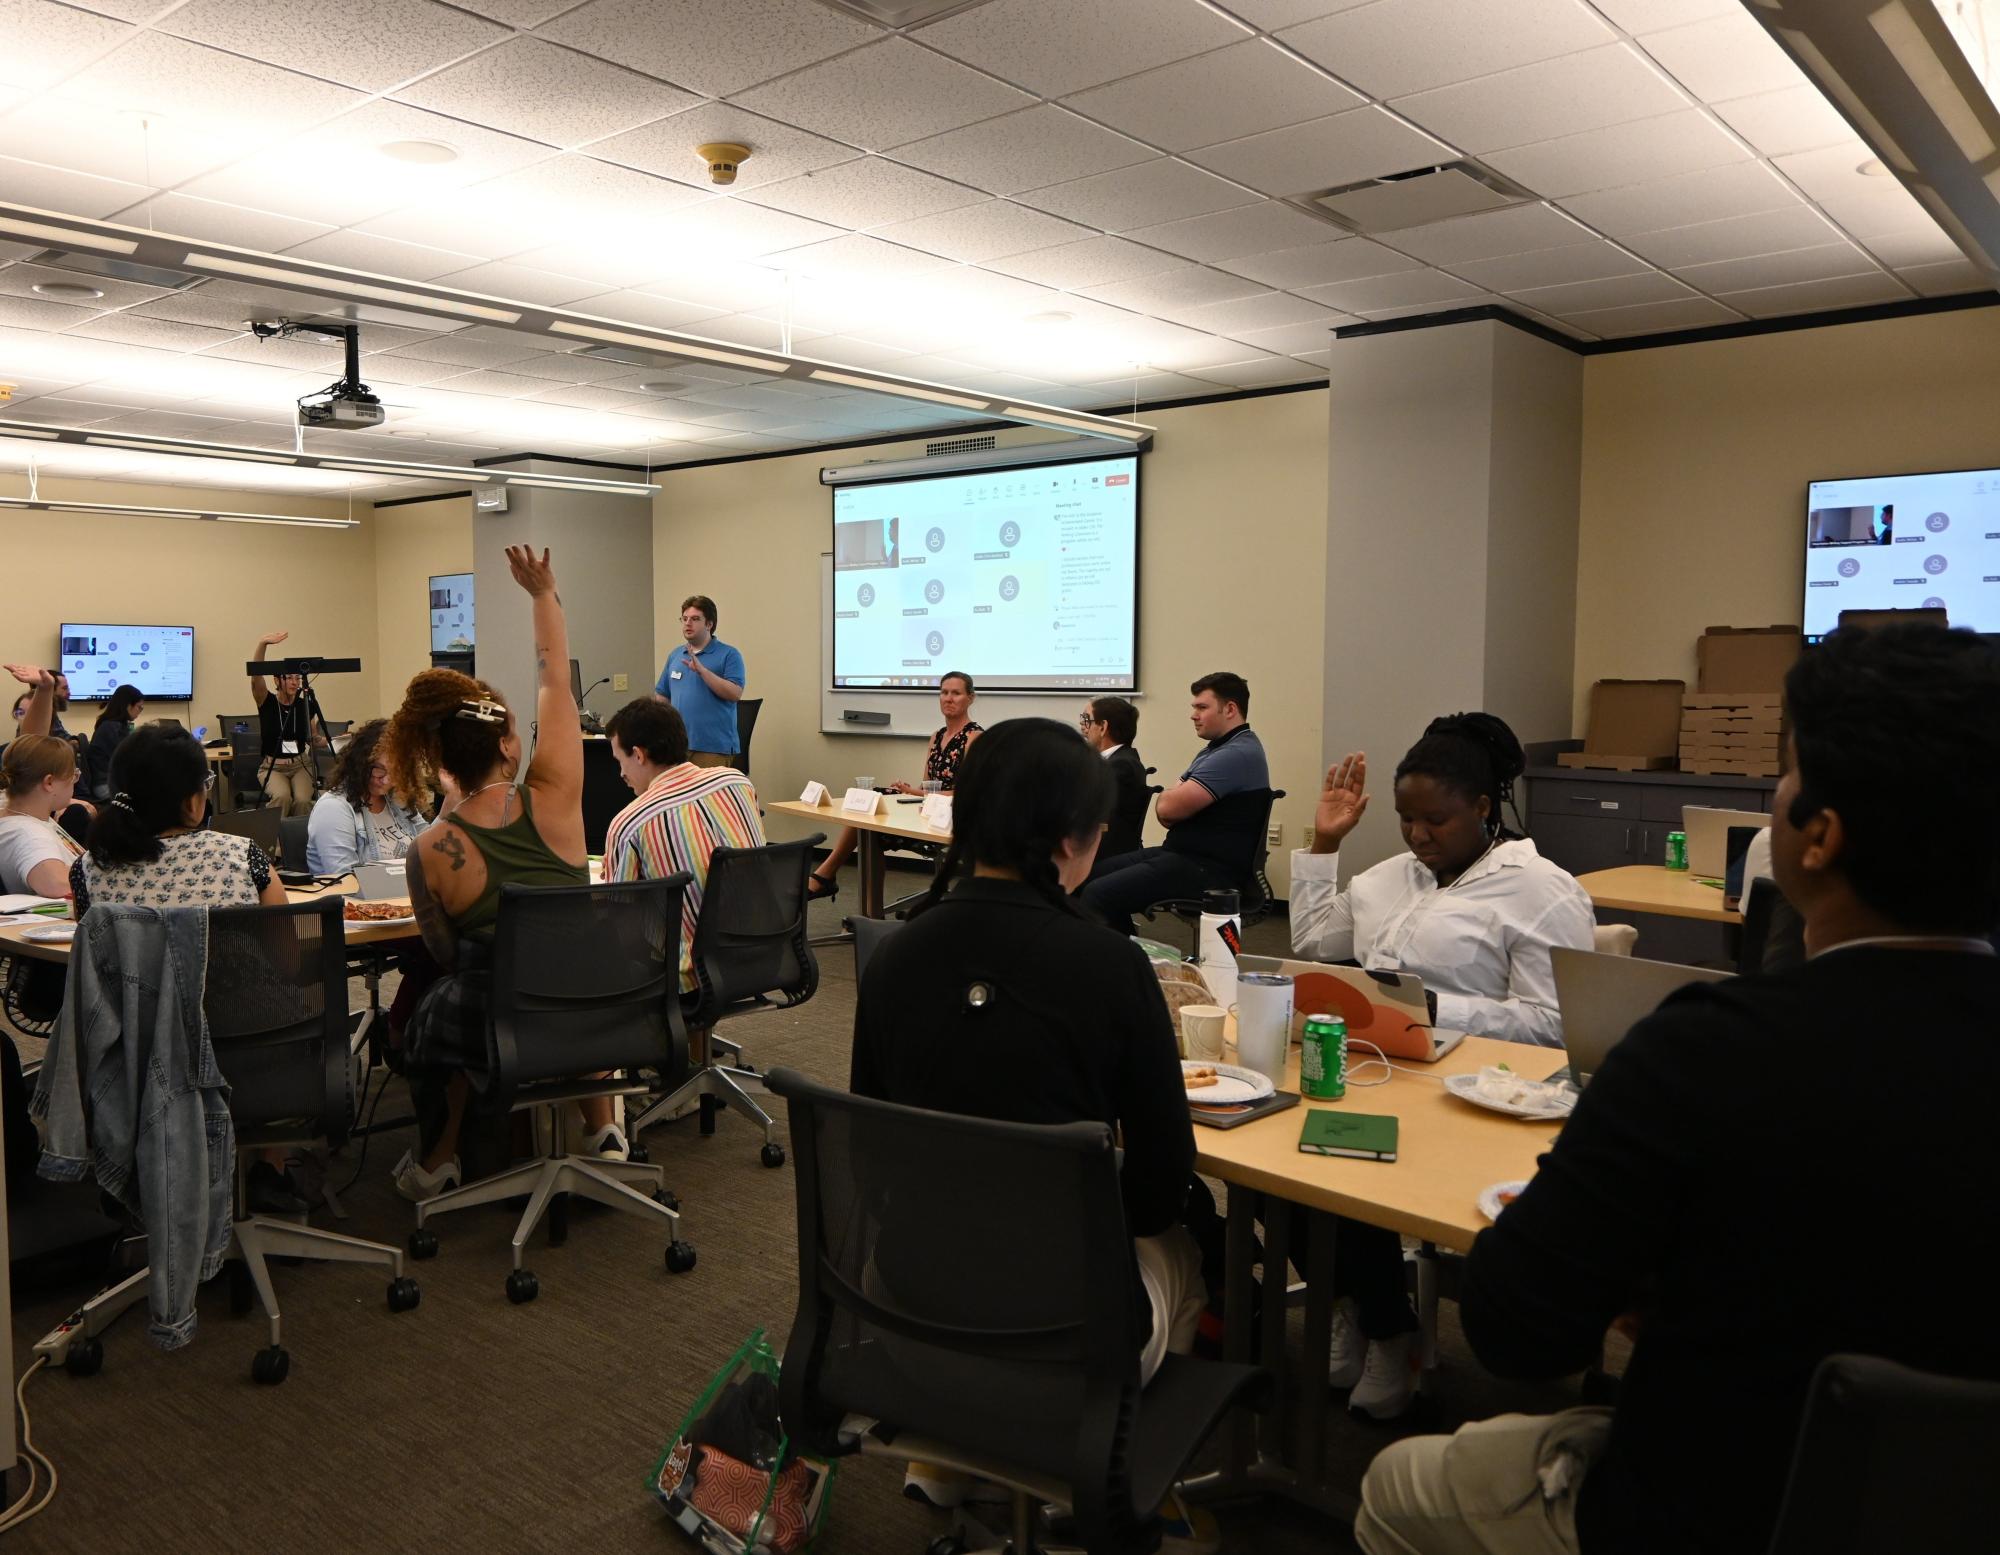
(1216,944)
(1264,1023)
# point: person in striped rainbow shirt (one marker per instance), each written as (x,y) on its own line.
(683,812)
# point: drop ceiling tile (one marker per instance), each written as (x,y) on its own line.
(1520,229)
(1240,90)
(858,257)
(1924,245)
(1142,196)
(84,138)
(53,189)
(714,47)
(371,44)
(1027,150)
(1273,14)
(1092,262)
(868,192)
(1647,16)
(1726,55)
(515,13)
(1248,229)
(1622,291)
(1412,288)
(1319,264)
(975,233)
(745,329)
(1714,194)
(598,264)
(1300,340)
(1539,102)
(35,313)
(1266,310)
(1259,373)
(1157,343)
(1404,46)
(1342,149)
(1549,267)
(1864,204)
(381,256)
(528,87)
(1848,291)
(1190,286)
(214,222)
(46,42)
(462,350)
(848,350)
(130,329)
(314,356)
(1737,237)
(188,83)
(1056,47)
(1798,118)
(777,151)
(887,94)
(498,384)
(1824,262)
(1947,279)
(590,397)
(520,283)
(20,280)
(1655,317)
(1643,151)
(728,285)
(218,304)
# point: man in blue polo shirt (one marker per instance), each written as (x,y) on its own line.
(703,679)
(1214,815)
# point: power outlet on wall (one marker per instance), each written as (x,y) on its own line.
(1277,834)
(1308,839)
(621,682)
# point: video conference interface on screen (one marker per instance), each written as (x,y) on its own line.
(99,658)
(1903,542)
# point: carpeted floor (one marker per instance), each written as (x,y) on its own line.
(472,1424)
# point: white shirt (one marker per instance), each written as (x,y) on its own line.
(1110,750)
(26,842)
(1482,945)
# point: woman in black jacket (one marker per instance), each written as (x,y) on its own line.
(120,714)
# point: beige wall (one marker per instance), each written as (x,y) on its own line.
(1232,554)
(413,542)
(1696,459)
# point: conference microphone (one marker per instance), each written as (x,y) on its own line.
(602,680)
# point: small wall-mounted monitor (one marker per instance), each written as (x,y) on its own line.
(1904,542)
(99,658)
(451,613)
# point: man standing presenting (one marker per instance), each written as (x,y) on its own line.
(703,679)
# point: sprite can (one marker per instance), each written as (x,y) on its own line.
(1323,1058)
(1677,850)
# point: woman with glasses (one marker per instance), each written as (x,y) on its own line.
(358,820)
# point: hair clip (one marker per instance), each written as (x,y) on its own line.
(123,801)
(484,711)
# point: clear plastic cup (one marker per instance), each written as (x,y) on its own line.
(864,782)
(933,786)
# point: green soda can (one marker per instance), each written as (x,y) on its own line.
(1677,850)
(1323,1058)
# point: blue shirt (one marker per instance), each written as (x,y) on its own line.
(711,721)
(1233,764)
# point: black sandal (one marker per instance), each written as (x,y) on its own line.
(821,889)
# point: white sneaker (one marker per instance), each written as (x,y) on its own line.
(1388,1379)
(1348,1349)
(416,1184)
(608,1144)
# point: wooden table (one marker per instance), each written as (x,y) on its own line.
(1447,1152)
(1673,893)
(891,824)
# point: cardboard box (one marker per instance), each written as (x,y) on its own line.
(1715,739)
(1634,726)
(1711,767)
(1739,701)
(1741,723)
(1747,658)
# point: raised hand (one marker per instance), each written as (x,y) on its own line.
(272,639)
(536,576)
(1342,800)
(31,675)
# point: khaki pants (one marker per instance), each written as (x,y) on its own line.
(711,759)
(289,786)
(1483,1490)
(1170,1269)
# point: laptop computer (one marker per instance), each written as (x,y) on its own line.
(383,882)
(260,826)
(1602,997)
(1387,1009)
(1708,837)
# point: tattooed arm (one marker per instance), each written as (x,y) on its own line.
(556,773)
(439,939)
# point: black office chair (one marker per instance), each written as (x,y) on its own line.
(276,1001)
(747,709)
(246,757)
(869,934)
(293,832)
(915,1338)
(1889,1458)
(584,982)
(1253,886)
(1773,933)
(750,953)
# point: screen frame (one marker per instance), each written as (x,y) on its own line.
(472,583)
(62,631)
(1806,512)
(1136,455)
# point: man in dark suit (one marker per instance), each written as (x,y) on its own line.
(1111,724)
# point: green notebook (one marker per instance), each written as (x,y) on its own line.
(1364,1135)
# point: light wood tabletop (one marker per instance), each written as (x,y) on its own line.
(1673,893)
(1447,1150)
(890,820)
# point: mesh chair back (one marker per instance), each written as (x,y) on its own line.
(1774,935)
(246,751)
(1890,1458)
(586,978)
(961,1278)
(747,709)
(869,933)
(750,939)
(276,1001)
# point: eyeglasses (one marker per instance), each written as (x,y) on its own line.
(208,781)
(1085,721)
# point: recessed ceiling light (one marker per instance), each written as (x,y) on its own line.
(661,386)
(1873,168)
(1048,320)
(68,291)
(424,153)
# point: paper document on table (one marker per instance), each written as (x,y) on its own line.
(27,902)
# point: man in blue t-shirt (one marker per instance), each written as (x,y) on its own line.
(703,679)
(1214,815)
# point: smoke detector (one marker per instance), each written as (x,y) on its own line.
(723,158)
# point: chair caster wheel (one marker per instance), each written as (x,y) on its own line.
(85,1358)
(772,1156)
(423,1244)
(680,1257)
(638,1155)
(522,1286)
(668,1197)
(404,1294)
(271,1366)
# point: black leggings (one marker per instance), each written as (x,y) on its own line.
(1368,1266)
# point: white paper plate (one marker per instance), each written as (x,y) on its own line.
(1464,1087)
(379,923)
(51,934)
(1233,1084)
(1489,1198)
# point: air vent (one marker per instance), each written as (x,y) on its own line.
(958,445)
(117,269)
(1414,199)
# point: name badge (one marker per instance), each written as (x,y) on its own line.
(937,811)
(860,801)
(675,675)
(815,794)
(288,747)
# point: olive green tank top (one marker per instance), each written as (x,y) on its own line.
(515,855)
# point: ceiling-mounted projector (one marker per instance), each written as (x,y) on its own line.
(344,404)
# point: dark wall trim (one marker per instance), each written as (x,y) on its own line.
(1484,313)
(595,464)
(403,502)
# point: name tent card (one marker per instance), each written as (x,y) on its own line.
(815,794)
(937,811)
(860,801)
